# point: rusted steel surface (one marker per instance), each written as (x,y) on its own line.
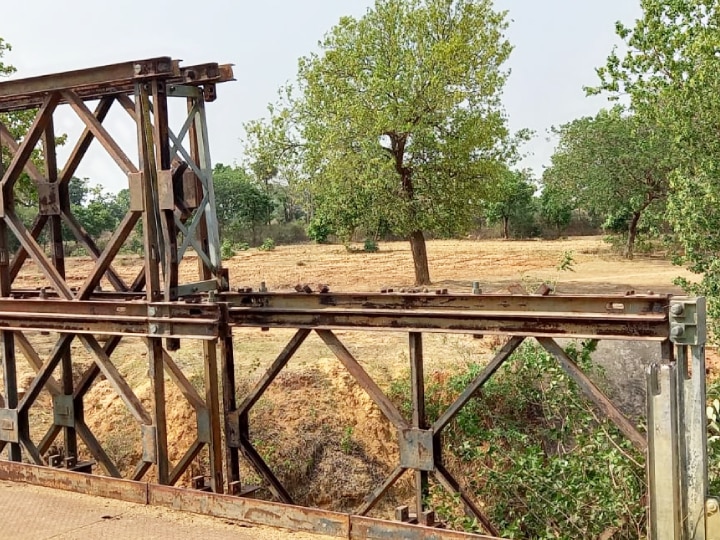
(652,327)
(145,308)
(254,511)
(603,304)
(100,486)
(197,321)
(258,512)
(363,528)
(115,79)
(595,394)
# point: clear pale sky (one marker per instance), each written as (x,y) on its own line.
(558,43)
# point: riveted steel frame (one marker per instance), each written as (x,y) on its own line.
(170,175)
(519,317)
(172,196)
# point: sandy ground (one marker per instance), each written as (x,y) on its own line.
(453,264)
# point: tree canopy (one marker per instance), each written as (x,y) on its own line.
(513,202)
(670,72)
(240,203)
(397,120)
(615,164)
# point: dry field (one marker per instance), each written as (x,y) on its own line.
(315,426)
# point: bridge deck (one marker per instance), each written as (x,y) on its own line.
(37,513)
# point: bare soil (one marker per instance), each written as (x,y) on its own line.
(316,427)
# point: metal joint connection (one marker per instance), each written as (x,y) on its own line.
(687,321)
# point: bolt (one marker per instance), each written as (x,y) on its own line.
(677,331)
(211,297)
(152,311)
(677,309)
(712,507)
(263,287)
(154,328)
(476,287)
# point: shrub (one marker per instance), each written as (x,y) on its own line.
(319,230)
(226,250)
(370,246)
(267,245)
(544,462)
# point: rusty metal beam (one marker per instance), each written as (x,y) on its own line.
(363,379)
(119,319)
(294,518)
(109,75)
(451,485)
(500,357)
(613,304)
(518,323)
(269,376)
(25,150)
(198,75)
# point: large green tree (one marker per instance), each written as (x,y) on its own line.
(397,120)
(513,202)
(671,70)
(241,204)
(615,164)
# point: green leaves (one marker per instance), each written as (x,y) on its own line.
(397,121)
(616,165)
(670,72)
(241,204)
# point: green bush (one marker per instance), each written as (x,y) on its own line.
(226,250)
(540,458)
(319,230)
(267,245)
(370,246)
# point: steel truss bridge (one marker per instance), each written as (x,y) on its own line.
(171,191)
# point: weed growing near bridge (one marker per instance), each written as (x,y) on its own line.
(538,456)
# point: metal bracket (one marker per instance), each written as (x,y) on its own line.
(417,449)
(687,321)
(232,428)
(135,186)
(149,443)
(203,425)
(189,289)
(166,198)
(49,198)
(179,90)
(9,431)
(64,410)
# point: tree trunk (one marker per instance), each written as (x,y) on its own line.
(420,259)
(506,228)
(632,234)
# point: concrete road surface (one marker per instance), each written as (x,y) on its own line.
(34,513)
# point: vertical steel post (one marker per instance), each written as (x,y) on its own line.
(212,391)
(154,250)
(419,420)
(58,260)
(687,332)
(662,463)
(7,338)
